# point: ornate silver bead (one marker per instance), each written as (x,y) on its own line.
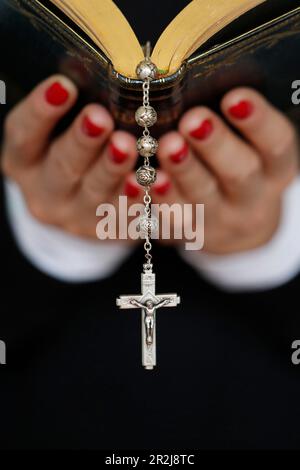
(147,146)
(146,175)
(148,226)
(146,116)
(146,69)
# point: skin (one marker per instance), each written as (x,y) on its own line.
(240,171)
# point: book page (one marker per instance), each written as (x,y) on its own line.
(108,28)
(192,27)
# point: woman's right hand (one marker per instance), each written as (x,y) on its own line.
(65,179)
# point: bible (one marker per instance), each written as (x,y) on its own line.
(210,47)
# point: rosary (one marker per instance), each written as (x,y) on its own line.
(148,301)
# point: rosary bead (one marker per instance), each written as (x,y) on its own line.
(146,116)
(148,226)
(147,146)
(146,70)
(146,175)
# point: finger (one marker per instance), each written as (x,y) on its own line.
(233,162)
(271,133)
(192,178)
(164,190)
(93,212)
(105,177)
(131,189)
(28,126)
(168,207)
(72,153)
(175,213)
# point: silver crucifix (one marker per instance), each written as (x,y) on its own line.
(149,302)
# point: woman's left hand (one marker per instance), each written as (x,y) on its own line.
(238,167)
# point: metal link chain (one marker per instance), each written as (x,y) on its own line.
(147,244)
(146,88)
(147,71)
(147,197)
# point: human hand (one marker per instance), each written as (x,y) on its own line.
(239,174)
(65,179)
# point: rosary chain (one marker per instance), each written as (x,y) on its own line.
(147,197)
(147,71)
(146,88)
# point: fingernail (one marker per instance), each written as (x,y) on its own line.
(131,190)
(241,110)
(56,94)
(117,155)
(181,155)
(90,128)
(162,189)
(203,131)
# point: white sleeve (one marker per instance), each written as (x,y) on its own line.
(262,268)
(65,257)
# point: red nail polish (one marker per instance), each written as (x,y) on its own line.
(91,129)
(56,94)
(181,155)
(241,110)
(162,189)
(203,131)
(117,155)
(131,190)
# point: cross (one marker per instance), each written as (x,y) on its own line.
(149,302)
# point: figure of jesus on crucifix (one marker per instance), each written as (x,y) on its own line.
(150,309)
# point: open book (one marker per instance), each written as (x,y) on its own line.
(208,48)
(106,26)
